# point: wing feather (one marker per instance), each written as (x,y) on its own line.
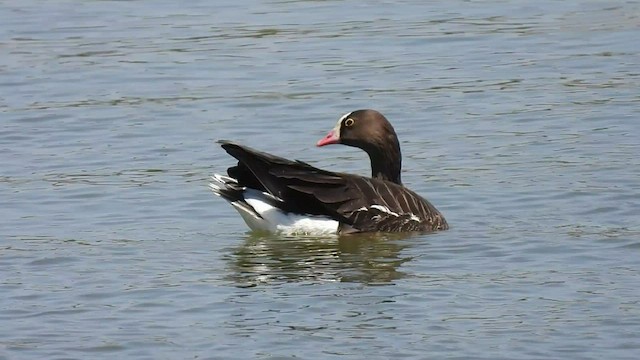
(365,204)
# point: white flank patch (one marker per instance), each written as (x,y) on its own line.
(308,225)
(272,218)
(276,221)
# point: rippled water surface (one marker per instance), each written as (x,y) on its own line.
(519,120)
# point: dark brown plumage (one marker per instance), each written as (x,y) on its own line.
(358,203)
(370,131)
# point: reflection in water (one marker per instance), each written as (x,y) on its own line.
(370,259)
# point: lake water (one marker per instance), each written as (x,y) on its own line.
(519,120)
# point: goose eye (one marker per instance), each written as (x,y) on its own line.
(349,122)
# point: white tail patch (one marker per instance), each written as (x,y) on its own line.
(220,183)
(224,179)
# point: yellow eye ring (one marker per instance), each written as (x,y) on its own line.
(349,122)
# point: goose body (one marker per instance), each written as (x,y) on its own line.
(278,195)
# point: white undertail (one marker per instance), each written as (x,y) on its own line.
(257,210)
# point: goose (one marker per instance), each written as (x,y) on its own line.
(278,195)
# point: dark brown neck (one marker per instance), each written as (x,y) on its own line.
(386,163)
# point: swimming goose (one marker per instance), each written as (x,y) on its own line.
(283,196)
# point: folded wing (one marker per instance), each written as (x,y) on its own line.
(358,203)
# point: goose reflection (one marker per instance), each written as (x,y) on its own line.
(365,258)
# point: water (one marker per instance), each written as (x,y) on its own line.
(518,120)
